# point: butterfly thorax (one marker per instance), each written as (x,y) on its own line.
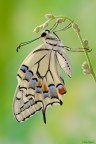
(52,41)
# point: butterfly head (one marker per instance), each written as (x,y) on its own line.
(45,33)
(48,37)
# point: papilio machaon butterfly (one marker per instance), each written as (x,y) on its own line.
(40,83)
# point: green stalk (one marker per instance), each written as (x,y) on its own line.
(81,40)
(87,55)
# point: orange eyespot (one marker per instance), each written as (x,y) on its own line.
(61,89)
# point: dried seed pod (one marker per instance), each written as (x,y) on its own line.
(60,20)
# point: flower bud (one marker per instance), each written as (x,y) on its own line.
(85,42)
(78,29)
(86,68)
(45,24)
(60,20)
(41,26)
(75,27)
(37,29)
(49,16)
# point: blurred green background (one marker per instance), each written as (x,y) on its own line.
(75,121)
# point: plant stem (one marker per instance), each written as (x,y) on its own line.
(81,40)
(87,55)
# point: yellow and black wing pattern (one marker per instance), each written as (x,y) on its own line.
(39,83)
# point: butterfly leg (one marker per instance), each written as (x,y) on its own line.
(77,49)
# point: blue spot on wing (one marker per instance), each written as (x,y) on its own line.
(24,68)
(39,88)
(51,87)
(52,91)
(45,92)
(30,73)
(34,81)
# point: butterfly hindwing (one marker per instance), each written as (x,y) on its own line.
(39,84)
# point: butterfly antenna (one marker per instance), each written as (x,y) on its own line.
(44,116)
(25,43)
